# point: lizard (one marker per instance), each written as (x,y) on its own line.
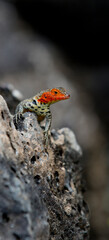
(40,105)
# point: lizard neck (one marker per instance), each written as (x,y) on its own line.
(37,99)
(39,105)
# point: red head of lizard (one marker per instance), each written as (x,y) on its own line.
(53,95)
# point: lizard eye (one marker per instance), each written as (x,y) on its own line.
(55,92)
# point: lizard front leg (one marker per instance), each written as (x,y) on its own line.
(47,128)
(18,112)
(21,108)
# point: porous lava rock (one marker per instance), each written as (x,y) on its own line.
(41,193)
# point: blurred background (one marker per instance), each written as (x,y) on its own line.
(45,44)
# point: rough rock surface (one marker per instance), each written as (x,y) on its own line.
(41,194)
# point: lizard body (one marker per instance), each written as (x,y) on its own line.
(40,104)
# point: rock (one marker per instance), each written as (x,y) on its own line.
(41,194)
(11,95)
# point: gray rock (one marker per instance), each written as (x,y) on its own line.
(41,194)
